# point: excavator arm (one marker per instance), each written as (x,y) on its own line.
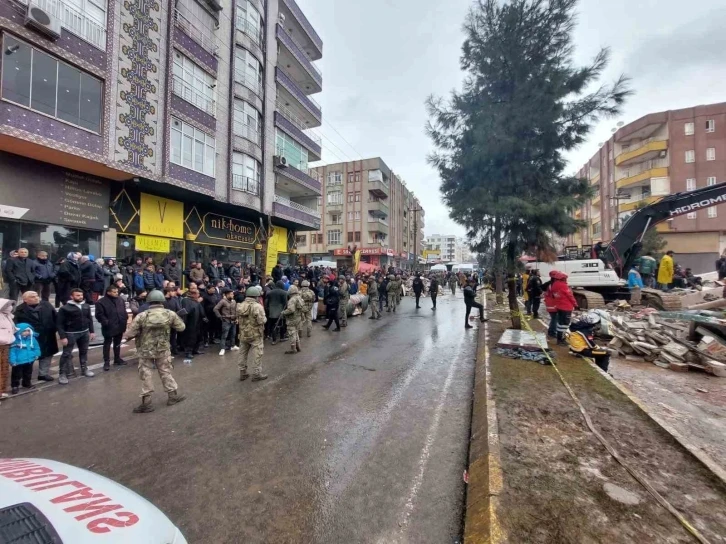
(624,249)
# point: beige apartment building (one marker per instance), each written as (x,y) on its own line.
(657,155)
(364,204)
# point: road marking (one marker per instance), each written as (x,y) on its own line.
(426,451)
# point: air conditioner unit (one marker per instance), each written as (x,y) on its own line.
(281,18)
(43,21)
(663,154)
(280,161)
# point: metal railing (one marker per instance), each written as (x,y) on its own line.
(246,131)
(630,171)
(295,206)
(246,184)
(193,96)
(249,81)
(194,28)
(73,20)
(377,220)
(640,144)
(295,120)
(254,33)
(286,79)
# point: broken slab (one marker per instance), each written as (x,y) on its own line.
(518,339)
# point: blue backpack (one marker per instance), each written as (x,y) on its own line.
(139,281)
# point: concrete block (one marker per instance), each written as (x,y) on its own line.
(679,367)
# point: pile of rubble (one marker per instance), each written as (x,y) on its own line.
(666,339)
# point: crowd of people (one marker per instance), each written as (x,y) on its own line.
(234,308)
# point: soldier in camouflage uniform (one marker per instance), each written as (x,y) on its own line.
(294,314)
(153,329)
(373,298)
(308,298)
(399,289)
(344,300)
(391,293)
(251,318)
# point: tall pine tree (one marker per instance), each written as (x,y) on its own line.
(500,141)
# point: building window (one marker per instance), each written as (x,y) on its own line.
(357,235)
(301,240)
(336,219)
(350,177)
(320,238)
(357,196)
(712,212)
(350,216)
(690,184)
(198,23)
(691,215)
(334,238)
(710,181)
(690,156)
(247,70)
(357,215)
(357,176)
(246,173)
(192,148)
(249,21)
(690,128)
(350,237)
(296,155)
(247,121)
(611,177)
(40,82)
(711,154)
(335,198)
(194,84)
(711,127)
(335,178)
(350,197)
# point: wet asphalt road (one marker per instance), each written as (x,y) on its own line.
(362,437)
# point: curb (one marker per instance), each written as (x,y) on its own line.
(481,523)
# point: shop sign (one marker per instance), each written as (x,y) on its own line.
(152,244)
(161,216)
(227,229)
(52,195)
(365,251)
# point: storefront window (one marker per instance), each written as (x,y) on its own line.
(126,253)
(57,241)
(226,255)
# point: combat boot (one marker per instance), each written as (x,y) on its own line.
(291,351)
(259,377)
(174,398)
(145,405)
(243,375)
(297,346)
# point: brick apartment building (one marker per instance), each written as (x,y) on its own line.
(657,155)
(365,204)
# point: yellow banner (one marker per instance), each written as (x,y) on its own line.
(161,216)
(356,261)
(152,244)
(272,255)
(276,244)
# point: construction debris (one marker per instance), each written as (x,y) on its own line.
(680,341)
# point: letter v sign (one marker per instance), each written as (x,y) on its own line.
(162,211)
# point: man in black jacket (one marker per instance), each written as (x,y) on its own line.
(235,274)
(75,327)
(534,292)
(418,288)
(434,290)
(44,275)
(173,271)
(40,315)
(69,277)
(193,319)
(213,272)
(20,272)
(88,277)
(275,303)
(332,304)
(470,301)
(277,273)
(111,314)
(212,325)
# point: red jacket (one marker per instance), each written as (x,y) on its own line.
(564,300)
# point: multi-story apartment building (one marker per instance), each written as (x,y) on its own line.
(445,243)
(147,128)
(365,204)
(657,155)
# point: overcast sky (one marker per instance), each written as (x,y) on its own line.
(382,58)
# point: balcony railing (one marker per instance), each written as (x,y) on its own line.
(300,16)
(254,33)
(193,27)
(294,89)
(248,185)
(295,206)
(630,171)
(295,120)
(299,53)
(74,21)
(302,214)
(193,96)
(376,220)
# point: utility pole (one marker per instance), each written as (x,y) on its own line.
(415,237)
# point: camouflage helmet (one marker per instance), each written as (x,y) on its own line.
(155,296)
(305,283)
(254,291)
(391,277)
(293,290)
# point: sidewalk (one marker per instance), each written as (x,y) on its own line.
(537,474)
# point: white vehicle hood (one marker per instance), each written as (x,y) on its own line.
(83,507)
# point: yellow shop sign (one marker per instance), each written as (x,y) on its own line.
(161,217)
(152,244)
